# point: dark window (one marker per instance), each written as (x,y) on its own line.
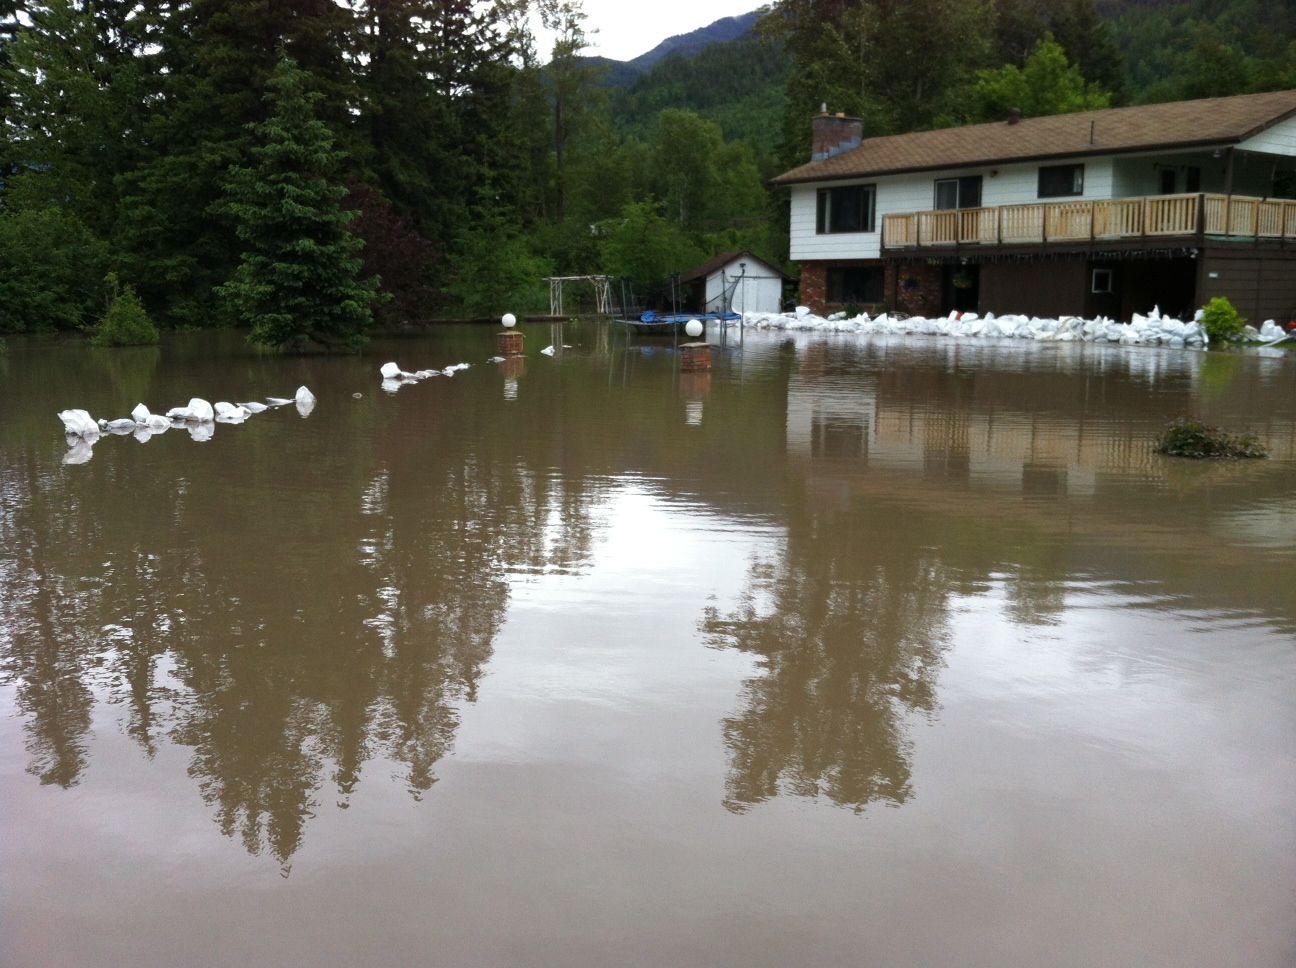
(1101,281)
(1167,181)
(1193,179)
(855,284)
(962,192)
(1056,180)
(848,209)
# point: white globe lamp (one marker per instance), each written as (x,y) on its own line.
(694,328)
(509,320)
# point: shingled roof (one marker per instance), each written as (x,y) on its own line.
(723,259)
(1179,124)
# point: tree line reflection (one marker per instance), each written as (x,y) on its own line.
(292,636)
(287,638)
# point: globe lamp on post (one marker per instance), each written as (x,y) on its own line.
(510,342)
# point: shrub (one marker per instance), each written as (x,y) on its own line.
(1221,321)
(498,272)
(50,267)
(1192,438)
(126,323)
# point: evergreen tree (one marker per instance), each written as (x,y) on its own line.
(298,280)
(72,84)
(1090,45)
(898,64)
(209,62)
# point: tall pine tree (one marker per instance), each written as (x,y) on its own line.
(299,278)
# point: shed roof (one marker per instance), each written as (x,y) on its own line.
(1149,127)
(722,259)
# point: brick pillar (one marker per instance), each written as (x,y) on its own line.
(814,286)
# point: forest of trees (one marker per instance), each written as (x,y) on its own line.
(448,163)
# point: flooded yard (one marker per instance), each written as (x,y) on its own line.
(854,651)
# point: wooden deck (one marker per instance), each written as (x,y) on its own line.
(1153,217)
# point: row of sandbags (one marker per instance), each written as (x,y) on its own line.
(1151,329)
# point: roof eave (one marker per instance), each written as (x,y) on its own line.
(779,180)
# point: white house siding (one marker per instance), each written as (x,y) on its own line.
(1277,140)
(897,194)
(1138,175)
(757,290)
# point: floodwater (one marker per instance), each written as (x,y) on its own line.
(851,652)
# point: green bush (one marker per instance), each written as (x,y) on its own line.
(50,271)
(496,272)
(126,323)
(1221,321)
(1192,438)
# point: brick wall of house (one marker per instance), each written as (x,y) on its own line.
(911,287)
(916,287)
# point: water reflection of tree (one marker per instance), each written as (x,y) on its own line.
(850,625)
(287,657)
(42,643)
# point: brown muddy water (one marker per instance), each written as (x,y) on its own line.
(851,652)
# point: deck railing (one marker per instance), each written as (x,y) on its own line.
(1154,216)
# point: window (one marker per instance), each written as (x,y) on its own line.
(855,284)
(848,209)
(1101,281)
(1167,181)
(962,192)
(1055,180)
(1192,179)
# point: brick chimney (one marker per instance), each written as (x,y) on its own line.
(833,134)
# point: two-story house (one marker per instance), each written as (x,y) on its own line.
(1097,213)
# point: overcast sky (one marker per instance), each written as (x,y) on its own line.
(628,28)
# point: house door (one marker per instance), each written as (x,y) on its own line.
(960,288)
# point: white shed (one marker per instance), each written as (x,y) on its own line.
(738,282)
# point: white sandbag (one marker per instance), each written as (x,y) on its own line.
(389,371)
(202,410)
(141,413)
(79,423)
(230,413)
(254,407)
